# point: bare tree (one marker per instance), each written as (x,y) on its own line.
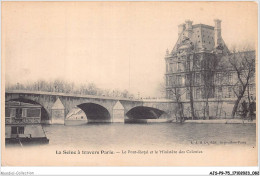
(190,79)
(191,66)
(243,64)
(208,69)
(177,94)
(161,88)
(63,86)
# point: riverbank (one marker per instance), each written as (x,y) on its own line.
(223,121)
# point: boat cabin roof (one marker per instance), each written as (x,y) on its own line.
(16,104)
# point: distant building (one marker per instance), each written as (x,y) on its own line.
(195,66)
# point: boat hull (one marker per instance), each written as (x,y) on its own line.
(148,120)
(31,134)
(24,141)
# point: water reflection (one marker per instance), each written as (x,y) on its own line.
(147,135)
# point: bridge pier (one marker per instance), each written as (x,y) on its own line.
(58,113)
(118,114)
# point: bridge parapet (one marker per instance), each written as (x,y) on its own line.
(59,94)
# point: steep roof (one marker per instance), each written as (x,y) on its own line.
(202,36)
(238,56)
(21,104)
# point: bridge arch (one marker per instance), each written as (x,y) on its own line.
(95,112)
(45,116)
(144,112)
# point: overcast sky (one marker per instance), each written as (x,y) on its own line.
(116,45)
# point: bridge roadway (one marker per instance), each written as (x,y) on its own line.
(55,106)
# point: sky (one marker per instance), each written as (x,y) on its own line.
(116,45)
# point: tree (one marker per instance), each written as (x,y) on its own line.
(161,88)
(243,64)
(125,94)
(58,85)
(190,79)
(63,86)
(187,65)
(92,89)
(191,66)
(209,64)
(177,93)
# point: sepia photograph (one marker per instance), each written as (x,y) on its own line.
(129,83)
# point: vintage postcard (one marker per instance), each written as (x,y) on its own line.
(129,84)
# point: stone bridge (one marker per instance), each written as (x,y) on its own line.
(55,106)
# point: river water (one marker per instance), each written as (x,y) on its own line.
(119,144)
(150,135)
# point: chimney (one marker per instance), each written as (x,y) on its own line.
(188,24)
(217,31)
(181,28)
(167,52)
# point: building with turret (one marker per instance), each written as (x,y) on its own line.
(199,69)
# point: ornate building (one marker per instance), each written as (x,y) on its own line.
(196,69)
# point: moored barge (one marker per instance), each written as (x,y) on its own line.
(23,123)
